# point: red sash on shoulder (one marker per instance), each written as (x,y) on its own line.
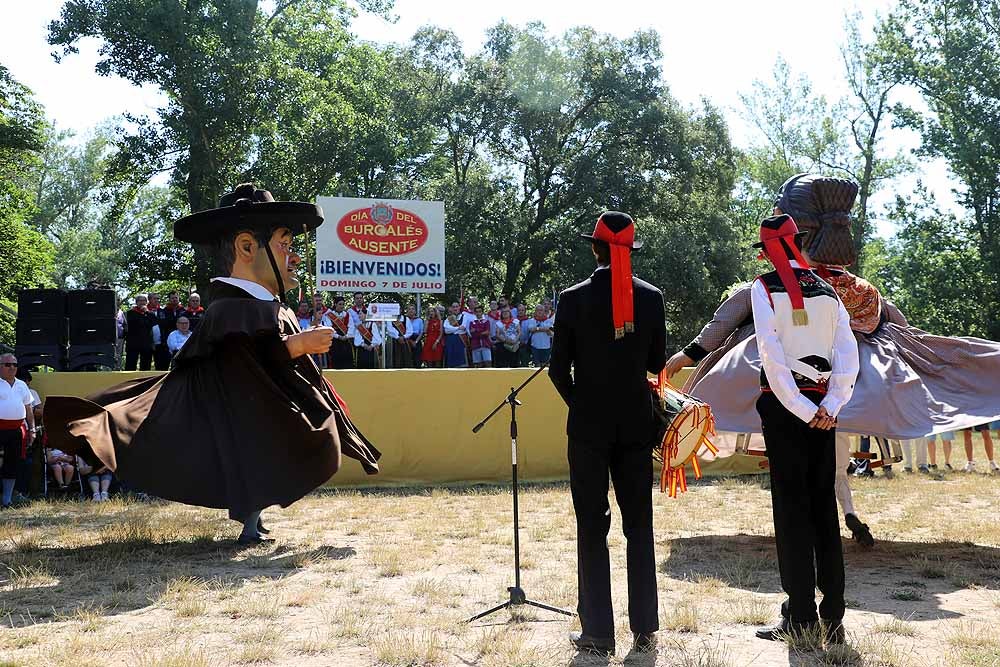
(338,324)
(365,332)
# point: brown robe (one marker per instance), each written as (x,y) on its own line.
(236,424)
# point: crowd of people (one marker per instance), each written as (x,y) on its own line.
(152,333)
(500,334)
(28,465)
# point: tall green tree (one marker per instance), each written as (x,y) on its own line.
(25,254)
(214,60)
(931,268)
(949,50)
(803,132)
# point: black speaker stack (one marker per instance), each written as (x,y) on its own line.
(73,330)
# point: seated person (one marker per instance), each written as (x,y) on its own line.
(99,481)
(62,466)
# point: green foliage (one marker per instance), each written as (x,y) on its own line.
(26,254)
(932,268)
(950,51)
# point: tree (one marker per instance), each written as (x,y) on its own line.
(214,59)
(25,254)
(804,133)
(931,267)
(949,50)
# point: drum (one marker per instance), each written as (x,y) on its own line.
(684,424)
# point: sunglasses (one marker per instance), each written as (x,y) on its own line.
(9,364)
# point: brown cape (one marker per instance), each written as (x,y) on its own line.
(236,424)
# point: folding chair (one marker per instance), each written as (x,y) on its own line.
(48,475)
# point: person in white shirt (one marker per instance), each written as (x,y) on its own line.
(810,364)
(368,344)
(15,412)
(406,334)
(508,335)
(179,336)
(540,330)
(456,338)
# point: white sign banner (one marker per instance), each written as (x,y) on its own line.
(383,312)
(380,245)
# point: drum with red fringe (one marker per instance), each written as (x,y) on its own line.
(684,426)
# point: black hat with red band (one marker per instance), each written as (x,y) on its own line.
(617,231)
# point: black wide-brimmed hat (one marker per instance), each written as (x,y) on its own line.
(247,207)
(614,222)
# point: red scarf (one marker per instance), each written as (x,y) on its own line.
(493,315)
(622,303)
(140,310)
(775,242)
(197,311)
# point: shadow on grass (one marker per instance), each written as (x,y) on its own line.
(905,579)
(130,573)
(455,488)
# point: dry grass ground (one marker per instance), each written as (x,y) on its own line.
(386,578)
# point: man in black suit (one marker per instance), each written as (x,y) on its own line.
(610,329)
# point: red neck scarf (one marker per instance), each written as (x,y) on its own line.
(775,242)
(493,314)
(139,310)
(622,303)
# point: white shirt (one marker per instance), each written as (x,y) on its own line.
(414,327)
(15,400)
(176,340)
(376,335)
(460,329)
(36,400)
(770,329)
(541,340)
(256,290)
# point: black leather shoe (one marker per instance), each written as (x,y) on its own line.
(859,531)
(778,633)
(252,540)
(835,634)
(644,642)
(594,645)
(260,527)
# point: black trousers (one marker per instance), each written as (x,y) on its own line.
(806,525)
(161,358)
(342,354)
(10,452)
(630,468)
(143,357)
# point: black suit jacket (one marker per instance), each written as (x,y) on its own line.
(607,393)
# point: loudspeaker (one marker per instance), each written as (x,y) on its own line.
(92,303)
(34,357)
(96,331)
(90,357)
(41,303)
(39,331)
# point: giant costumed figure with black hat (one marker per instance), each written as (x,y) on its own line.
(245,419)
(911,384)
(809,365)
(609,333)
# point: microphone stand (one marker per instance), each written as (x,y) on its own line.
(517,594)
